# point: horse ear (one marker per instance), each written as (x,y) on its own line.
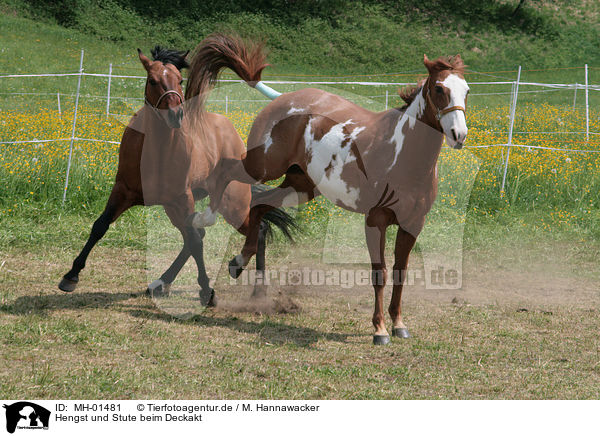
(144,59)
(185,54)
(428,64)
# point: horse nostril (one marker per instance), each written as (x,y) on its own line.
(454,134)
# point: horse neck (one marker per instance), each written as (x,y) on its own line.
(157,133)
(421,140)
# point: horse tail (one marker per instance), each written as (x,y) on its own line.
(218,51)
(277,217)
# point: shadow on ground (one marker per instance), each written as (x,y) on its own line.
(41,304)
(270,330)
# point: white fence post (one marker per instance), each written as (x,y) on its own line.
(58,99)
(587,106)
(108,91)
(575,96)
(510,129)
(73,130)
(226,104)
(386,99)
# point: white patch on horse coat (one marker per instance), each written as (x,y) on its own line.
(268,143)
(205,219)
(410,115)
(322,154)
(158,283)
(295,110)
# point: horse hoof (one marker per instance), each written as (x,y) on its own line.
(68,285)
(259,292)
(235,267)
(400,332)
(207,297)
(381,339)
(158,288)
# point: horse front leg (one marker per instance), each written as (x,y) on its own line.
(404,244)
(375,229)
(162,286)
(182,216)
(119,201)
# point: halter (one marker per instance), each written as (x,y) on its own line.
(171,91)
(441,112)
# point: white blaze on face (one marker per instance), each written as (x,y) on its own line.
(328,154)
(454,123)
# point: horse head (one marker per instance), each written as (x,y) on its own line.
(446,93)
(163,83)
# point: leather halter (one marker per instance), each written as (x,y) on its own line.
(441,112)
(164,94)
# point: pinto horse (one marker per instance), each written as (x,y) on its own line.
(383,165)
(168,159)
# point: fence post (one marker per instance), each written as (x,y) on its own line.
(575,96)
(226,104)
(587,106)
(73,130)
(386,99)
(58,99)
(108,91)
(510,129)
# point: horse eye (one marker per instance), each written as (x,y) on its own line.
(439,89)
(152,82)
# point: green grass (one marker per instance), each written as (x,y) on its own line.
(359,37)
(107,341)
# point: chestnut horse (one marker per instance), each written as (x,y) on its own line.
(168,159)
(383,165)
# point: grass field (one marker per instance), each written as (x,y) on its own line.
(524,324)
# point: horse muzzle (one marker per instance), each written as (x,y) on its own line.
(175,117)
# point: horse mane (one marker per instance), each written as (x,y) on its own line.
(453,63)
(174,57)
(409,93)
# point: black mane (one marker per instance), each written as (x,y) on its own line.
(174,57)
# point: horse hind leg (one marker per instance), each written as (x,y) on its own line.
(295,189)
(228,170)
(260,283)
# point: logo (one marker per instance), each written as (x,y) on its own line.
(26,415)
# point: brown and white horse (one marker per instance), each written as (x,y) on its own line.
(383,165)
(170,160)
